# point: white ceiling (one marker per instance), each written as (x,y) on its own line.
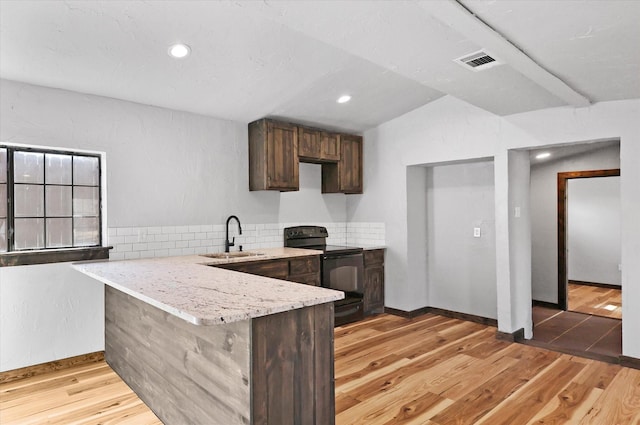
(570,150)
(292,59)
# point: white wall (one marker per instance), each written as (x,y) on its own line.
(461,267)
(451,130)
(164,168)
(48,312)
(606,121)
(444,131)
(593,230)
(544,214)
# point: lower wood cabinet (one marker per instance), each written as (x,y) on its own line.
(270,370)
(298,269)
(292,379)
(373,281)
(305,270)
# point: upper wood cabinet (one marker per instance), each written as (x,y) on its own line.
(309,143)
(273,156)
(277,148)
(346,175)
(330,145)
(317,145)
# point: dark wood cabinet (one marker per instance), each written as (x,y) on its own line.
(297,269)
(305,270)
(274,369)
(318,146)
(278,269)
(330,146)
(277,148)
(346,175)
(373,281)
(292,368)
(273,156)
(309,144)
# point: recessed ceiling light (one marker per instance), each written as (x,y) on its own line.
(543,155)
(344,99)
(179,50)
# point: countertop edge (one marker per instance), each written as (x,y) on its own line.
(251,312)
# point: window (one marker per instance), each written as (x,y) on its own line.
(50,203)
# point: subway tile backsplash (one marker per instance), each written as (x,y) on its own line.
(164,241)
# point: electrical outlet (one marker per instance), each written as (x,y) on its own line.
(476,232)
(516,212)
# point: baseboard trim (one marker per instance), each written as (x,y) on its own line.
(464,316)
(546,304)
(442,312)
(631,362)
(407,314)
(40,369)
(516,336)
(598,285)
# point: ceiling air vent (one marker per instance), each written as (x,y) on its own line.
(478,61)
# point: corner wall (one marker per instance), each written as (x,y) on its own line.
(461,267)
(451,130)
(165,169)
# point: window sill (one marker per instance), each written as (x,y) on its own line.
(25,258)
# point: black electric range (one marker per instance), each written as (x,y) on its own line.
(342,269)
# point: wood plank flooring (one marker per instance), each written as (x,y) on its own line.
(604,302)
(435,370)
(389,370)
(90,394)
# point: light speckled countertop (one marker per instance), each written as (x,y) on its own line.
(187,288)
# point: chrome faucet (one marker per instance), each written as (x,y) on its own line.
(228,244)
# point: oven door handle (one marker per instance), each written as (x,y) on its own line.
(341,257)
(349,311)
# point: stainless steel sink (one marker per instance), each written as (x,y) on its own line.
(229,255)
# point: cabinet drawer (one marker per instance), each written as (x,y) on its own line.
(304,265)
(308,279)
(373,257)
(272,268)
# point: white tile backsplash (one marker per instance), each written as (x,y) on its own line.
(146,242)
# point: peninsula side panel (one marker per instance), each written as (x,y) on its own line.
(293,370)
(187,374)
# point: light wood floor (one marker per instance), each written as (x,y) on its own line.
(88,394)
(389,370)
(434,370)
(594,300)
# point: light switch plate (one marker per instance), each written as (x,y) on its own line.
(476,232)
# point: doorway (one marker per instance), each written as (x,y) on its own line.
(587,283)
(577,333)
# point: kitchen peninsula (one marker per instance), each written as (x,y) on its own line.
(206,345)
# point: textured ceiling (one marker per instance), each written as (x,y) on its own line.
(292,59)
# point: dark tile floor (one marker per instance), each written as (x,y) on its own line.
(579,334)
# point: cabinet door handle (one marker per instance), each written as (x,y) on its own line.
(348,312)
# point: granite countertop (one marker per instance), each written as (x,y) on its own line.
(187,288)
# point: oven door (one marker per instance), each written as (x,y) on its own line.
(344,272)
